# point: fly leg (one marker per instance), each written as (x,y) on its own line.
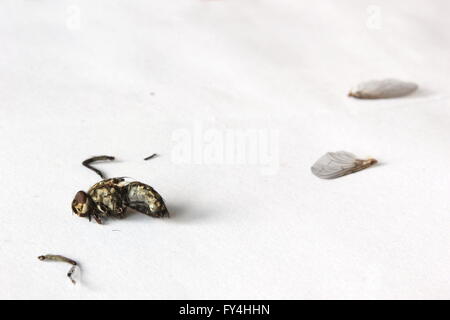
(151,157)
(97,219)
(55,257)
(120,213)
(71,271)
(87,164)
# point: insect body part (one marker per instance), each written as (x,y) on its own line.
(382,89)
(145,199)
(337,164)
(87,164)
(151,157)
(109,198)
(112,197)
(54,257)
(82,204)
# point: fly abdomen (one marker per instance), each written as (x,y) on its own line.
(145,199)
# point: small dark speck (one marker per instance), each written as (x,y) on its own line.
(152,93)
(151,157)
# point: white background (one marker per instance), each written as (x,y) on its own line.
(127,75)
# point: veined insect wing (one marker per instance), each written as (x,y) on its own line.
(382,89)
(337,164)
(333,164)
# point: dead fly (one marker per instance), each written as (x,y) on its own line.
(337,164)
(53,257)
(112,197)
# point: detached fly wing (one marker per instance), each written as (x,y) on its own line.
(334,164)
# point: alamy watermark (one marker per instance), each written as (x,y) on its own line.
(73,17)
(199,145)
(374,19)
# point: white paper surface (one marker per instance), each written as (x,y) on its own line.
(183,79)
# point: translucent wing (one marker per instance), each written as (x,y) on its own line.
(382,89)
(334,164)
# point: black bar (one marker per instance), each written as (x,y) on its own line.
(231,309)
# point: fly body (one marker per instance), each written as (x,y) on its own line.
(108,195)
(112,197)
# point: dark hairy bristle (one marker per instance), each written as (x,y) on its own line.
(151,157)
